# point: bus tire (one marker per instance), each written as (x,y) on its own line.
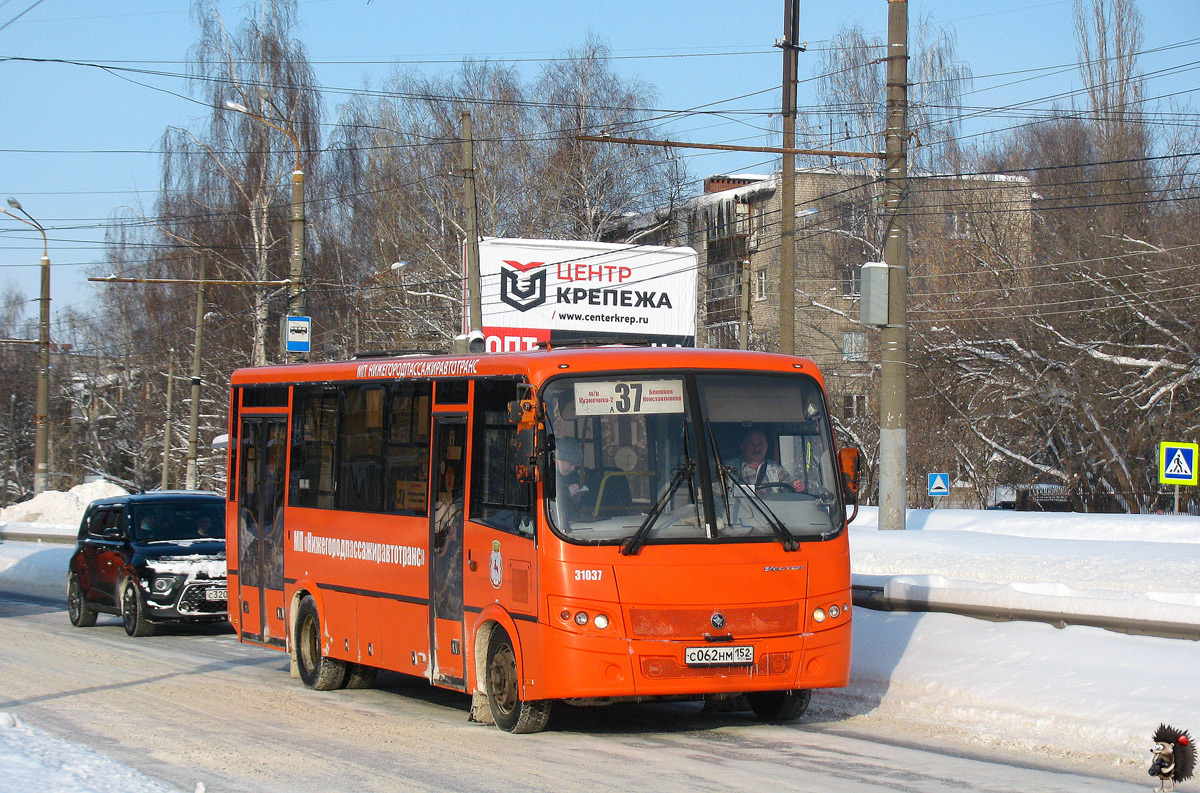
(77,609)
(133,610)
(776,707)
(503,683)
(359,676)
(317,671)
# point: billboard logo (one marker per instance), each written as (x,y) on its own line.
(522,296)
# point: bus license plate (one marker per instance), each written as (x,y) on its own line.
(741,655)
(216,594)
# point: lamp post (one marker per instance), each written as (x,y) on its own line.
(398,269)
(41,443)
(296,301)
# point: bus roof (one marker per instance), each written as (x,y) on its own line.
(536,365)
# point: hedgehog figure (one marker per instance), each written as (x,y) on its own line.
(1174,757)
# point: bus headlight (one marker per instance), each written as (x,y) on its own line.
(600,621)
(581,618)
(834,611)
(818,615)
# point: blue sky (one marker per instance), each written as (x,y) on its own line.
(77,143)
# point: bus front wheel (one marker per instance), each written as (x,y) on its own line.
(509,711)
(779,706)
(317,671)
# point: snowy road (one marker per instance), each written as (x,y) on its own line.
(195,706)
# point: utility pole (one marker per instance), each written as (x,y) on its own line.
(787,199)
(166,463)
(41,416)
(471,221)
(893,391)
(194,425)
(744,325)
(297,302)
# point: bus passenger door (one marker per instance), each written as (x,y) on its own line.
(446,550)
(260,526)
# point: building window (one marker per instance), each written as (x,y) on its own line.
(957,224)
(854,346)
(851,281)
(854,406)
(760,284)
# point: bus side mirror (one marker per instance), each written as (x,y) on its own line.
(849,463)
(522,413)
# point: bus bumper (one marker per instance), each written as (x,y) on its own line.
(592,667)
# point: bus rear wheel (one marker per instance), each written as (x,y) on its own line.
(317,671)
(503,683)
(779,706)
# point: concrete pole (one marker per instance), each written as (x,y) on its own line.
(297,304)
(166,463)
(893,422)
(471,222)
(744,325)
(787,198)
(41,418)
(194,423)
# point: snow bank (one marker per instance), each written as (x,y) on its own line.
(1071,564)
(1072,691)
(33,568)
(1048,525)
(57,507)
(35,760)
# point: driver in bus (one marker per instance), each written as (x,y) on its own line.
(756,470)
(568,456)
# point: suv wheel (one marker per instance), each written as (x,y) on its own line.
(133,610)
(77,609)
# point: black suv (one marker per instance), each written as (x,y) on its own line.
(151,558)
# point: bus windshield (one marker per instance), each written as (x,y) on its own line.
(694,458)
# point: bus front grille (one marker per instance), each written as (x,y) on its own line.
(741,621)
(664,666)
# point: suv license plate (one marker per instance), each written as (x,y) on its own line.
(740,655)
(216,594)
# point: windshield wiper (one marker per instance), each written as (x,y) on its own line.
(638,538)
(789,541)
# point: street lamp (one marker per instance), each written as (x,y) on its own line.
(296,301)
(41,444)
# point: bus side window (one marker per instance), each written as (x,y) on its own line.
(498,499)
(314,441)
(406,489)
(360,442)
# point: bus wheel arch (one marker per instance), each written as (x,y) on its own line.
(501,680)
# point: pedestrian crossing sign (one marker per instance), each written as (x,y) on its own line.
(1177,463)
(939,484)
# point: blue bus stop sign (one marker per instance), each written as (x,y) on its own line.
(299,334)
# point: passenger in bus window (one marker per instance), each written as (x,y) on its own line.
(756,470)
(568,456)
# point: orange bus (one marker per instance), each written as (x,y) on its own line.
(569,524)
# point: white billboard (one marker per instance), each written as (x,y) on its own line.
(553,290)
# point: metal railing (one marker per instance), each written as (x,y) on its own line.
(874,597)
